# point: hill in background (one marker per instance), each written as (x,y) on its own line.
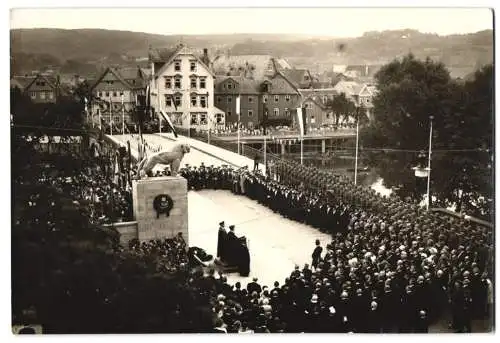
(84,51)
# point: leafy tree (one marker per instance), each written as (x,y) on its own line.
(342,107)
(410,92)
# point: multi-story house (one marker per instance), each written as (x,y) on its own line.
(182,85)
(42,89)
(360,94)
(114,94)
(265,93)
(317,114)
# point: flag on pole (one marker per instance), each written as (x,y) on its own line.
(169,122)
(116,178)
(123,116)
(300,122)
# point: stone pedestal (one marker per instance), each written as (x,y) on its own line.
(171,193)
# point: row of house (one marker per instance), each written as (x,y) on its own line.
(196,91)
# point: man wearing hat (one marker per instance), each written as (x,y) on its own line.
(254,286)
(221,241)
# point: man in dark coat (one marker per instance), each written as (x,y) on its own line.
(254,286)
(221,241)
(316,255)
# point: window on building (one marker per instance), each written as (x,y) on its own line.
(228,113)
(325,99)
(276,98)
(306,77)
(114,94)
(229,85)
(287,112)
(264,98)
(178,100)
(287,97)
(42,95)
(229,99)
(177,65)
(194,118)
(177,82)
(192,66)
(194,100)
(107,93)
(168,82)
(218,118)
(250,113)
(219,99)
(250,99)
(203,118)
(193,82)
(121,93)
(203,82)
(203,101)
(168,100)
(51,95)
(276,112)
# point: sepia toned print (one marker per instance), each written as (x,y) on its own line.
(213,176)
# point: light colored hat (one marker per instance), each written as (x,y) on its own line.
(314,298)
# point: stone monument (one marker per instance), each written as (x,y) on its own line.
(160,207)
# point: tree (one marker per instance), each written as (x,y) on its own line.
(342,107)
(410,91)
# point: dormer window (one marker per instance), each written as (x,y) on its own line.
(229,85)
(192,66)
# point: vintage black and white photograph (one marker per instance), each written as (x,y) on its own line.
(252,170)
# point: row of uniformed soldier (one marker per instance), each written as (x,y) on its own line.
(311,206)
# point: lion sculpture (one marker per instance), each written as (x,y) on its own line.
(172,158)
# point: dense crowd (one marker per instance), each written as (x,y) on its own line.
(93,186)
(390,266)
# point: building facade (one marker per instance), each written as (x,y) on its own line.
(182,86)
(270,99)
(114,94)
(41,89)
(317,114)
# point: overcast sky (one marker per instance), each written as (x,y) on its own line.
(336,22)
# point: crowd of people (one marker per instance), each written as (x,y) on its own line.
(391,266)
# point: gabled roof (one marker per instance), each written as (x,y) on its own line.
(296,76)
(21,81)
(256,65)
(124,75)
(51,81)
(348,87)
(167,58)
(314,99)
(246,86)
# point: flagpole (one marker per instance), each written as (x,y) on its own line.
(357,148)
(301,150)
(238,114)
(265,155)
(123,117)
(429,166)
(111,117)
(158,100)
